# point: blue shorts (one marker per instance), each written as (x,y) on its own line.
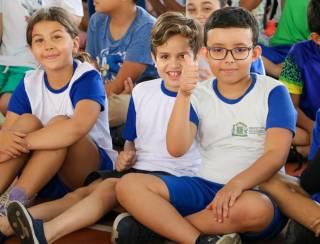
(276,54)
(55,188)
(192,194)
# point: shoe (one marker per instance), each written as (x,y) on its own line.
(233,238)
(3,237)
(127,230)
(27,229)
(297,234)
(15,194)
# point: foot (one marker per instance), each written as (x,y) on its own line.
(233,238)
(126,230)
(27,229)
(15,194)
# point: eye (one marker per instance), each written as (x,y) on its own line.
(57,37)
(217,49)
(207,10)
(164,57)
(38,40)
(191,10)
(240,49)
(181,56)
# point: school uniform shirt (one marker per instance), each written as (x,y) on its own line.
(231,133)
(14,50)
(35,96)
(149,111)
(301,73)
(133,46)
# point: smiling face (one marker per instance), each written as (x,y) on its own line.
(201,9)
(170,59)
(52,46)
(229,70)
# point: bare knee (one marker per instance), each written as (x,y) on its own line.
(57,118)
(80,193)
(27,123)
(253,211)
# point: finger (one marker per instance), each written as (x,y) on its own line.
(188,60)
(225,207)
(233,200)
(21,148)
(19,134)
(315,223)
(219,211)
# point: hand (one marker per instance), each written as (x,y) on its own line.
(315,227)
(189,76)
(128,86)
(223,201)
(125,160)
(13,143)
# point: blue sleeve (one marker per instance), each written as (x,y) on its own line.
(88,86)
(139,49)
(19,101)
(315,144)
(193,116)
(90,42)
(130,132)
(282,113)
(258,67)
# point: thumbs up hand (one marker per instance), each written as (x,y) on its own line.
(189,76)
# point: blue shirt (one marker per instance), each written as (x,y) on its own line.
(134,46)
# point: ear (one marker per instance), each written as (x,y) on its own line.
(256,52)
(205,53)
(315,37)
(76,45)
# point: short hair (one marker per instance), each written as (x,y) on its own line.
(313,16)
(170,24)
(232,17)
(52,14)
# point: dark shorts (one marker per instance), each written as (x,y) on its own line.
(192,194)
(55,188)
(106,174)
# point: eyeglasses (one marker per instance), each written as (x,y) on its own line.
(220,53)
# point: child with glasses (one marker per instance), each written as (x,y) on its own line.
(246,124)
(201,10)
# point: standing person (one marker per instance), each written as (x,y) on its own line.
(173,37)
(15,56)
(55,131)
(118,38)
(246,124)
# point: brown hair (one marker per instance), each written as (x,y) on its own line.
(170,24)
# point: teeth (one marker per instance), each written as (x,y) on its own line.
(174,73)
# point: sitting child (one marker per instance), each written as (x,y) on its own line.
(244,129)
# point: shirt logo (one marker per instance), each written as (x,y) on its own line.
(240,129)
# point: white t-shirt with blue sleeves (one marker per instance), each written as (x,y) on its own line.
(231,133)
(134,46)
(34,95)
(149,111)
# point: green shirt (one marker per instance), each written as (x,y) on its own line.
(293,25)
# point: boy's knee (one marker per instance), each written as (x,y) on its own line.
(57,118)
(254,212)
(126,183)
(27,123)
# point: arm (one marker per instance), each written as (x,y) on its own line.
(249,4)
(303,120)
(181,132)
(66,132)
(128,69)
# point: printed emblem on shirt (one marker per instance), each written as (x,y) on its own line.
(241,129)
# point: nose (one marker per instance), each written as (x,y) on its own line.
(48,45)
(176,63)
(229,57)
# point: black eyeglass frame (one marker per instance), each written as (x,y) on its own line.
(231,51)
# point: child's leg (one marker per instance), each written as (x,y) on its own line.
(157,213)
(49,210)
(9,169)
(85,213)
(73,164)
(290,198)
(252,211)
